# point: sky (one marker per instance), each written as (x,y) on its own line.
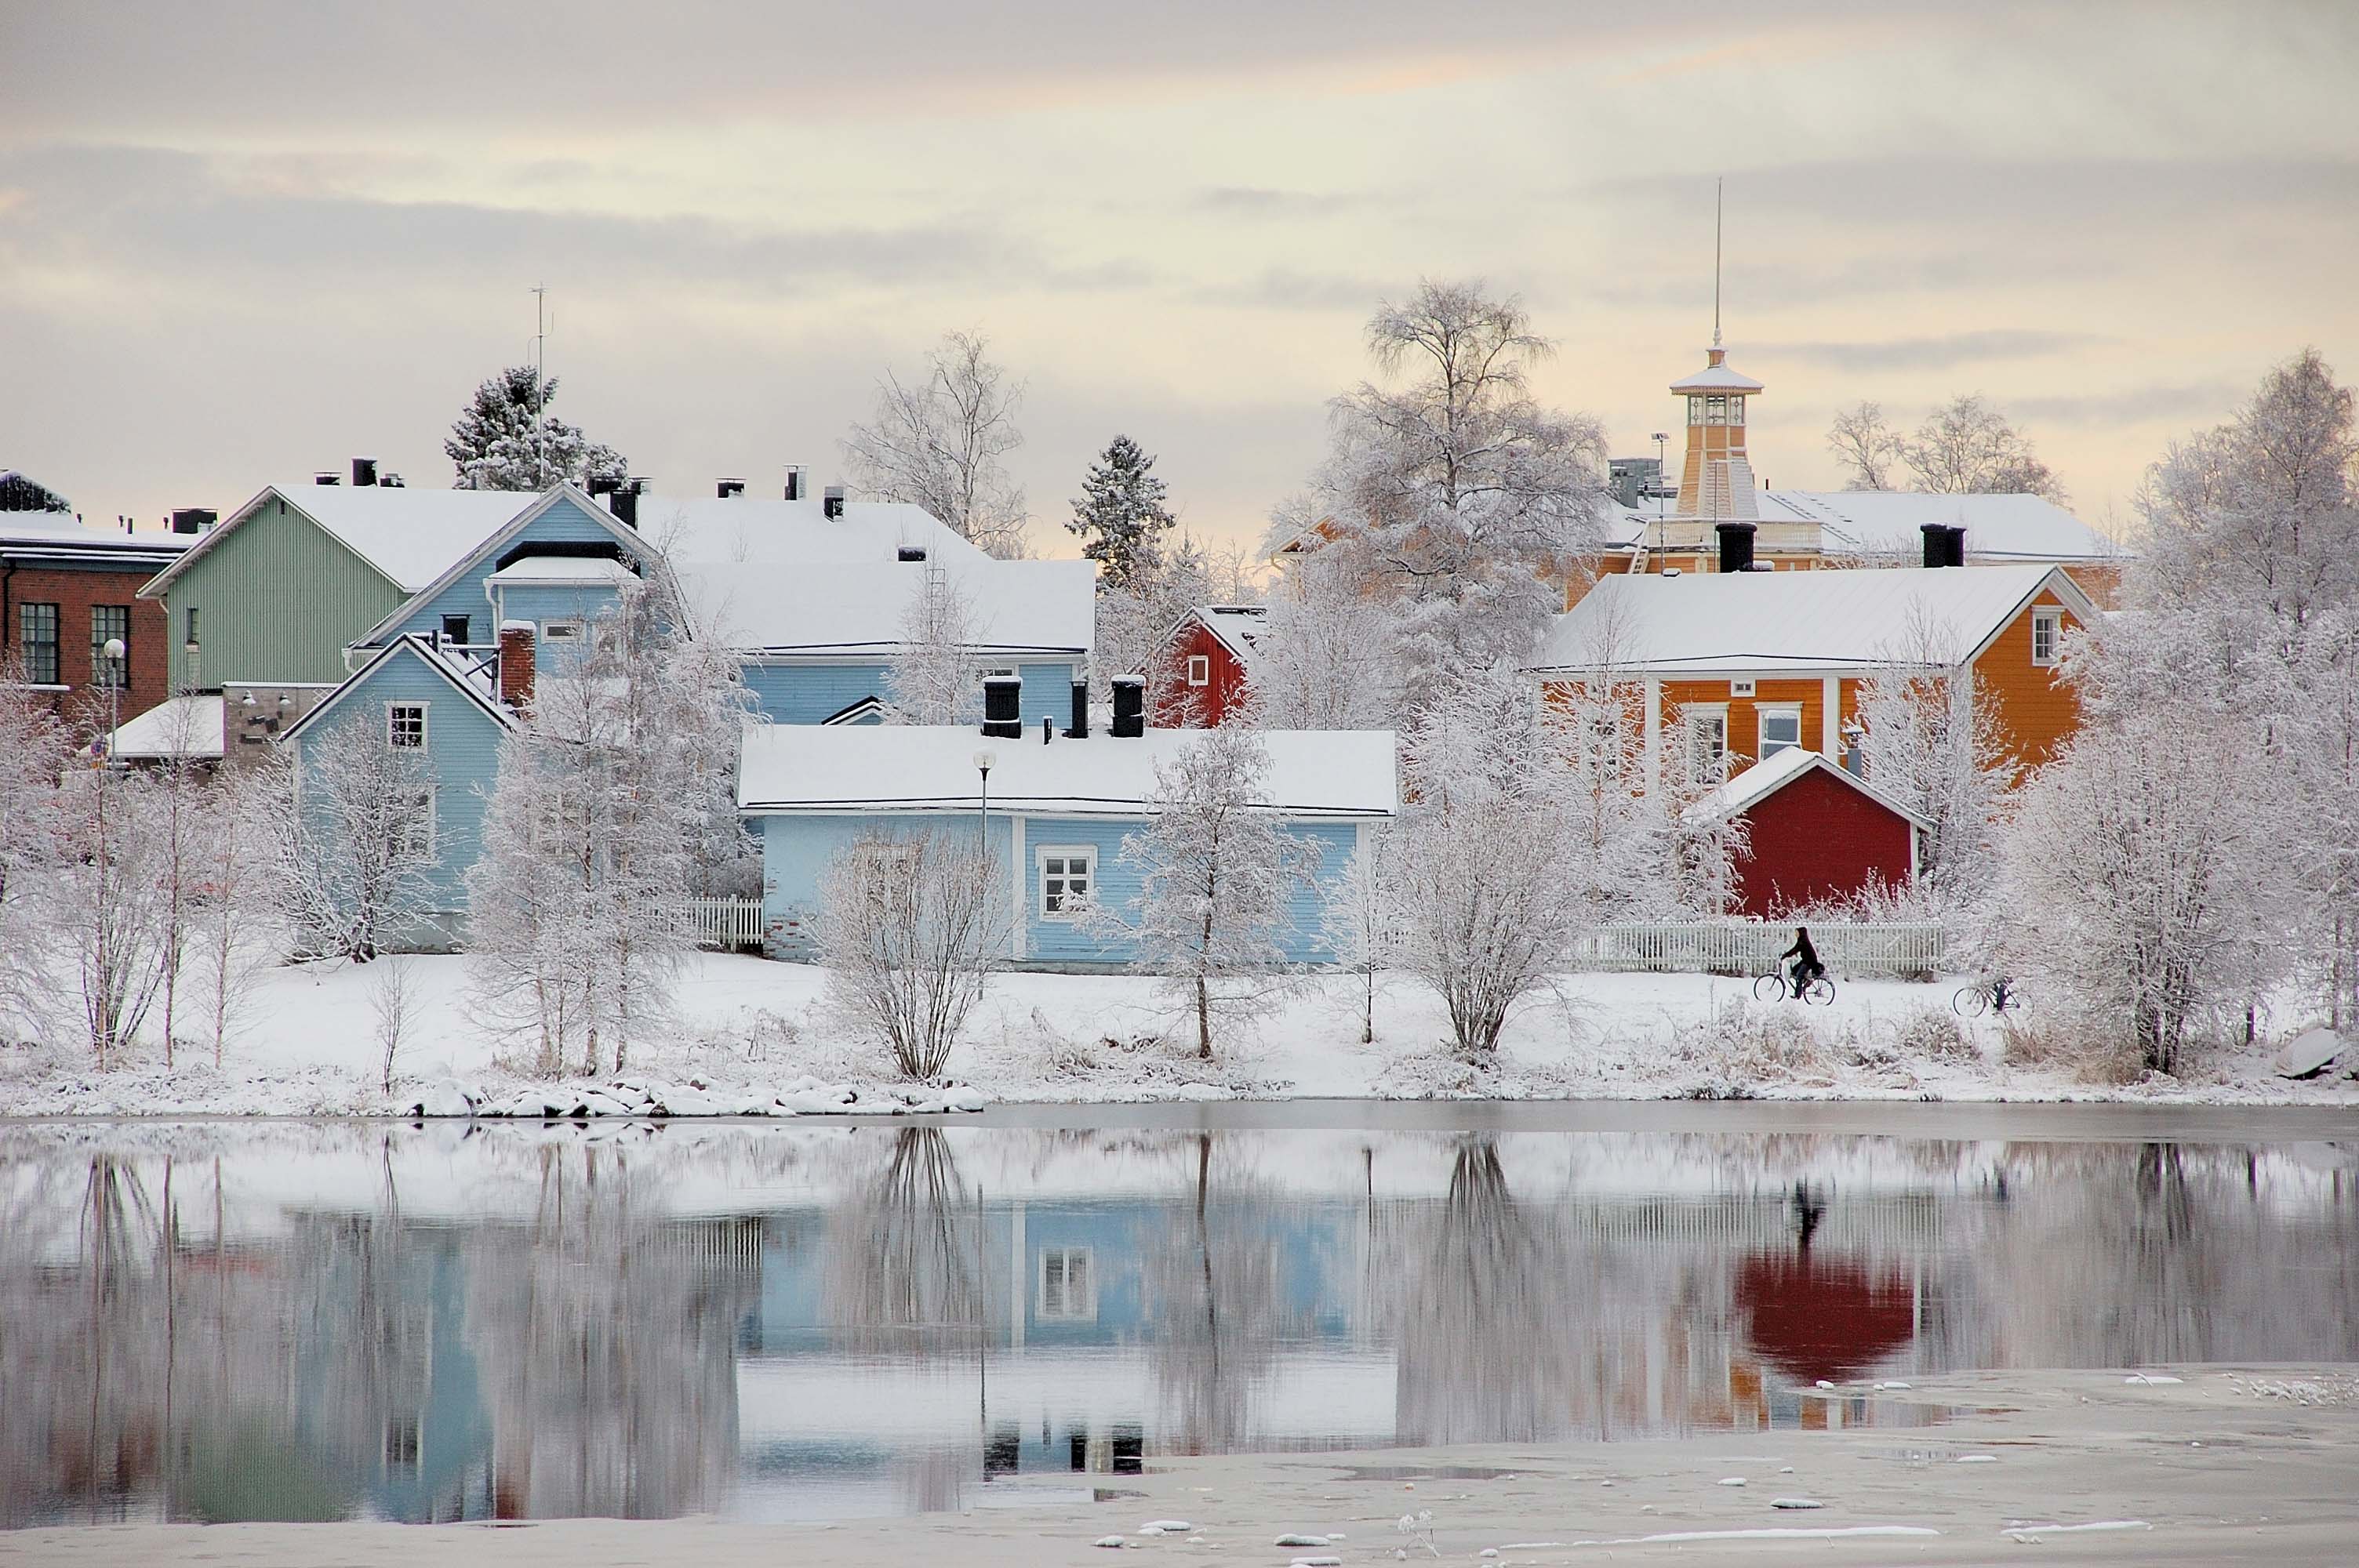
(241,242)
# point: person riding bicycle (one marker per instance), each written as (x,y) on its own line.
(1807,967)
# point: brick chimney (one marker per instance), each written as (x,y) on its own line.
(516,665)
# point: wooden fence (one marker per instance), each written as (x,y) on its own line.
(728,923)
(1718,947)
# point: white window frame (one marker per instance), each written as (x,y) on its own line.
(2049,619)
(1742,688)
(1041,856)
(1199,669)
(562,632)
(424,719)
(432,851)
(1694,720)
(1766,712)
(1068,1306)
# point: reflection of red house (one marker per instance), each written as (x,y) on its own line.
(1200,670)
(1817,1318)
(1816,832)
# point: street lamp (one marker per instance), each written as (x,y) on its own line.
(983,761)
(113,651)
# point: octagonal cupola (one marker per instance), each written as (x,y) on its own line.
(1716,480)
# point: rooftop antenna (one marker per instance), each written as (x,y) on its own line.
(1716,183)
(541,372)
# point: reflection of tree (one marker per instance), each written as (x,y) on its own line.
(1215,1285)
(1486,1350)
(905,1273)
(607,1339)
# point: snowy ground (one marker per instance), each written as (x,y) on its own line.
(749,1027)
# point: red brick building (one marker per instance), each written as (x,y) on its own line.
(65,591)
(1816,834)
(1204,665)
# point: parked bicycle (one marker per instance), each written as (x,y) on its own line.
(1775,987)
(1993,995)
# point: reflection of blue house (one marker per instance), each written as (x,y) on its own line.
(1058,810)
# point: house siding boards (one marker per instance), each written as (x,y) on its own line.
(1744,712)
(1177,704)
(1819,838)
(790,691)
(462,750)
(564,522)
(798,848)
(2036,709)
(278,598)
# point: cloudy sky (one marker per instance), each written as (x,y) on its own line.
(239,242)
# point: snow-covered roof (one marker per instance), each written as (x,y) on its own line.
(810,768)
(1772,773)
(1716,378)
(1238,626)
(185,727)
(471,677)
(563,569)
(854,606)
(1886,523)
(30,534)
(1706,623)
(411,535)
(750,531)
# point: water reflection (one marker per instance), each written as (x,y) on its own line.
(312,1323)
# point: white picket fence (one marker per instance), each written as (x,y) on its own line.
(1751,948)
(728,923)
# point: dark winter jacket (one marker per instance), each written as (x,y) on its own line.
(1803,950)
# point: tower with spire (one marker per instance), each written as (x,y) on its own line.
(1716,481)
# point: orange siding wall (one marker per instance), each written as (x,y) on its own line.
(2037,710)
(1744,712)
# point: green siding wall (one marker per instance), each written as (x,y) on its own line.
(277,601)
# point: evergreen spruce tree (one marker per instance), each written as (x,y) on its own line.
(1121,515)
(495,447)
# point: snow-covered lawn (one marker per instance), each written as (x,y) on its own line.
(749,1027)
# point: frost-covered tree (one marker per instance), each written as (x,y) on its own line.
(1121,516)
(33,746)
(934,677)
(1964,447)
(911,926)
(505,438)
(1867,448)
(603,823)
(1930,738)
(1329,656)
(1358,922)
(353,850)
(1133,623)
(938,442)
(1453,490)
(1215,876)
(237,932)
(1490,868)
(2148,881)
(108,904)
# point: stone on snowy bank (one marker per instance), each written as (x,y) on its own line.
(2309,1054)
(445,1098)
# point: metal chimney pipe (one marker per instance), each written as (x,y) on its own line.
(1736,546)
(1129,709)
(1081,726)
(1002,707)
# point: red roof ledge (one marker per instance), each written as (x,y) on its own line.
(1766,778)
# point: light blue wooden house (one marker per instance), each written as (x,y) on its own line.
(1058,808)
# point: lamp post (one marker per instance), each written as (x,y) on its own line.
(983,764)
(113,651)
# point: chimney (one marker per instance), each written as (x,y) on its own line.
(364,473)
(1129,709)
(192,519)
(1957,551)
(326,476)
(1081,730)
(1047,729)
(1736,546)
(832,503)
(625,502)
(1944,545)
(794,482)
(1003,706)
(515,663)
(910,553)
(604,483)
(729,489)
(391,482)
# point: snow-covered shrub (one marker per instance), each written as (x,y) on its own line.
(910,926)
(1743,1047)
(33,747)
(1934,1034)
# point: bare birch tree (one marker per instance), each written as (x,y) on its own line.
(934,677)
(354,848)
(1867,448)
(938,441)
(33,746)
(1930,738)
(911,926)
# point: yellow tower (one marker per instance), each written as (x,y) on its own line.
(1716,480)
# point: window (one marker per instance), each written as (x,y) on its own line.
(1781,730)
(1199,669)
(1067,871)
(1695,409)
(110,623)
(1068,1288)
(455,629)
(1742,688)
(1737,411)
(2047,634)
(36,635)
(1715,410)
(401,1442)
(1707,747)
(409,827)
(405,726)
(191,638)
(560,630)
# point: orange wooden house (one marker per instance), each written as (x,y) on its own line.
(1740,664)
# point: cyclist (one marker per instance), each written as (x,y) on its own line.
(1807,967)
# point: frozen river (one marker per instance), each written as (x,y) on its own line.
(216,1321)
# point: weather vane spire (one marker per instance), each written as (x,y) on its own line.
(1716,183)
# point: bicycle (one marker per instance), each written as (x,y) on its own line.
(1820,992)
(1984,996)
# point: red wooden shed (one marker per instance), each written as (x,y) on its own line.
(1817,833)
(1201,668)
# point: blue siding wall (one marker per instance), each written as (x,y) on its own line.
(795,852)
(809,693)
(565,521)
(462,748)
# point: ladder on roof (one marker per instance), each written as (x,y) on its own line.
(1638,556)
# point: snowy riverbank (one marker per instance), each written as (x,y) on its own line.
(749,1029)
